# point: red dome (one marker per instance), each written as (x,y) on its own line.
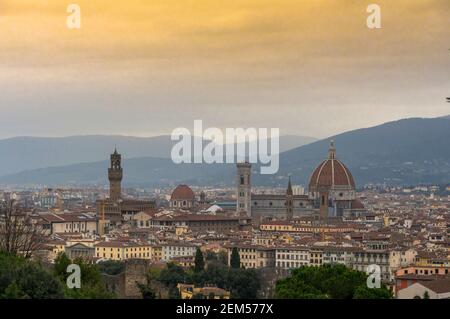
(330,173)
(182,192)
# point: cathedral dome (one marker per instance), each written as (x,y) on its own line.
(331,173)
(183,192)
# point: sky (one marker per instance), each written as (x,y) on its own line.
(144,68)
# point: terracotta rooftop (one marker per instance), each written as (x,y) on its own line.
(182,192)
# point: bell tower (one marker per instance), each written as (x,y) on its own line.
(244,186)
(115,176)
(289,201)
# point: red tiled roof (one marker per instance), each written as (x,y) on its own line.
(356,204)
(331,172)
(67,217)
(182,192)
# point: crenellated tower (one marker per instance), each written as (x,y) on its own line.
(115,176)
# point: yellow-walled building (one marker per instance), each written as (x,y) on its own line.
(122,250)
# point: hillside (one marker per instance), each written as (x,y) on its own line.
(407,151)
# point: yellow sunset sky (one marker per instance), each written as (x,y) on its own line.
(144,67)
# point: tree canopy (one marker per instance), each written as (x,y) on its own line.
(328,281)
(92,286)
(21,278)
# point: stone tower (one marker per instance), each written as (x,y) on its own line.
(202,201)
(323,208)
(244,192)
(289,201)
(115,176)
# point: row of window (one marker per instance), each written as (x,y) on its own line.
(292,256)
(291,264)
(180,203)
(75,225)
(426,271)
(128,249)
(301,204)
(173,248)
(136,255)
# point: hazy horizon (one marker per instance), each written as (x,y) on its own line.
(169,133)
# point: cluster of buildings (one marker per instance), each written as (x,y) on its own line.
(405,235)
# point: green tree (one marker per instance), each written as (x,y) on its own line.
(92,285)
(13,291)
(426,295)
(111,267)
(222,257)
(210,256)
(372,293)
(172,275)
(199,261)
(174,293)
(235,260)
(215,274)
(146,290)
(243,283)
(23,278)
(328,281)
(60,266)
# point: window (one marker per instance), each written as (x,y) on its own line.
(242,180)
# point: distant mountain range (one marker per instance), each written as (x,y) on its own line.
(27,153)
(407,151)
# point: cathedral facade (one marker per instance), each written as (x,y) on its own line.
(331,193)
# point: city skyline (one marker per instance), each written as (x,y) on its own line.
(273,151)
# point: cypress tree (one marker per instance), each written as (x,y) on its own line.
(235,260)
(199,261)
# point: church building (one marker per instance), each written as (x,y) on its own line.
(331,193)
